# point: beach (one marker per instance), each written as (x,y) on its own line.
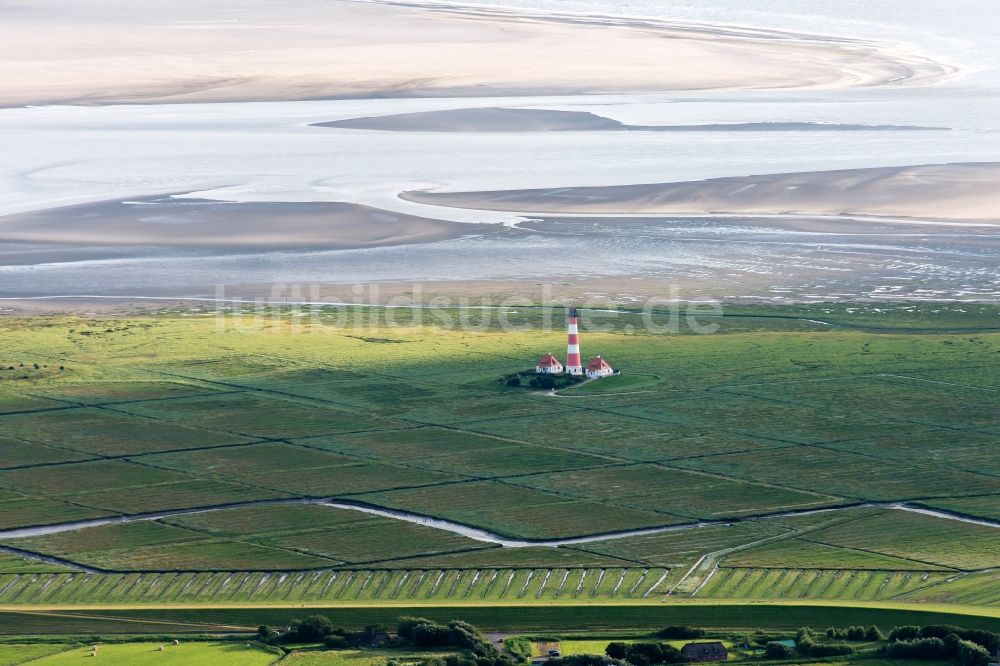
(166,222)
(226,51)
(944,192)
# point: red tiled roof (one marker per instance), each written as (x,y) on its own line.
(548,360)
(597,363)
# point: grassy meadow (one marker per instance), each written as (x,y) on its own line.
(225,426)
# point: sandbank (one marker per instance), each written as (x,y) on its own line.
(213,225)
(104,52)
(946,192)
(500,119)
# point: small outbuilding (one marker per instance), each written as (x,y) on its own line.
(714,651)
(598,367)
(548,365)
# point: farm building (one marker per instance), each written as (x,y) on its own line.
(714,651)
(598,367)
(548,365)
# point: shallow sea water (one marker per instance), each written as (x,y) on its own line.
(269,152)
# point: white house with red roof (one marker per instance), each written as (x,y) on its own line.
(548,365)
(598,367)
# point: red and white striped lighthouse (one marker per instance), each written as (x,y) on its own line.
(573,366)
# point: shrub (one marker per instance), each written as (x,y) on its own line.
(907,633)
(873,633)
(584,660)
(427,633)
(645,654)
(919,648)
(680,632)
(775,650)
(972,654)
(335,642)
(616,650)
(829,649)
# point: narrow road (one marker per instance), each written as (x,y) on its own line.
(468,531)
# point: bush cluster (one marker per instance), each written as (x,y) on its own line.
(645,654)
(988,639)
(585,660)
(680,632)
(478,651)
(857,633)
(775,650)
(806,645)
(968,647)
(313,629)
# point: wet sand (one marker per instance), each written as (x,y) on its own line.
(498,119)
(104,52)
(946,192)
(92,231)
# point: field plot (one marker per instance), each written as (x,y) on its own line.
(17,453)
(41,511)
(246,462)
(106,393)
(683,547)
(254,415)
(979,589)
(355,657)
(812,555)
(987,506)
(264,537)
(12,654)
(917,537)
(82,477)
(675,492)
(409,445)
(17,564)
(510,460)
(171,496)
(968,450)
(899,398)
(516,511)
(14,404)
(847,474)
(774,421)
(154,546)
(141,654)
(536,557)
(792,583)
(106,433)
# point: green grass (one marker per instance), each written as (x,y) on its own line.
(12,654)
(524,583)
(716,617)
(917,537)
(979,507)
(687,495)
(811,583)
(776,412)
(355,657)
(628,381)
(517,511)
(141,654)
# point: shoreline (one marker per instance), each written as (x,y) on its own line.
(166,221)
(432,51)
(954,194)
